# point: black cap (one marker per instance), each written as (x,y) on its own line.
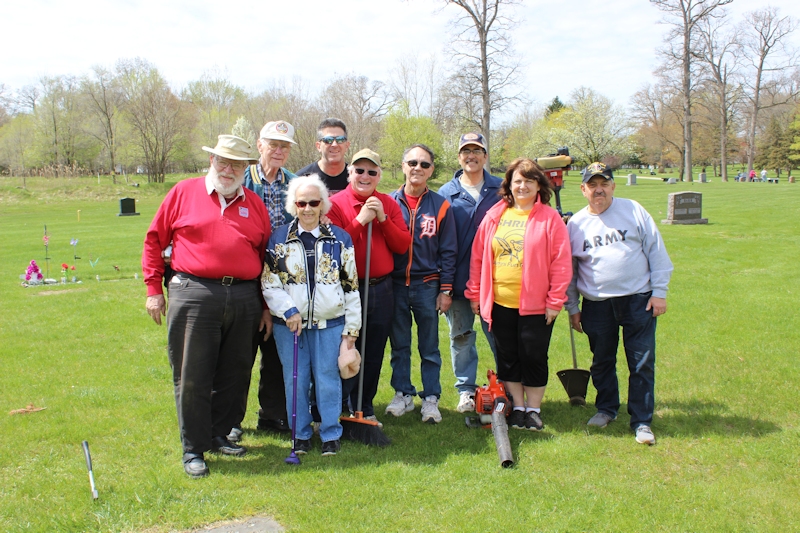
(597,169)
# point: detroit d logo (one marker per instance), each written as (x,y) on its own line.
(428,226)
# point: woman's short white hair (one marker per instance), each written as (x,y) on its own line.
(302,181)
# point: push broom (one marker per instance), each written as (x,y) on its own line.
(356,427)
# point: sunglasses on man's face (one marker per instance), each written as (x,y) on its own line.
(372,173)
(328,139)
(424,164)
(313,203)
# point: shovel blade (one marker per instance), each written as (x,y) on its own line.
(576,383)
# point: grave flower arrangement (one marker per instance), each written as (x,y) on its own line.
(33,275)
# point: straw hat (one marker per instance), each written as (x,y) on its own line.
(232,147)
(349,361)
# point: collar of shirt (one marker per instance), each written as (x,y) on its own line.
(315,232)
(260,170)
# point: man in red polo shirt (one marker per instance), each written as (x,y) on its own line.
(219,232)
(353,209)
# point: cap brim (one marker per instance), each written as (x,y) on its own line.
(471,142)
(278,137)
(354,161)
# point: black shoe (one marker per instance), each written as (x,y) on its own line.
(302,446)
(533,421)
(194,465)
(225,447)
(331,447)
(273,424)
(516,419)
(235,435)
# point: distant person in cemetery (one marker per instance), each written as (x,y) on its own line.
(519,273)
(219,232)
(332,145)
(621,272)
(471,193)
(269,179)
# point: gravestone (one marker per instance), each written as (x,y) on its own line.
(703,178)
(685,208)
(127,207)
(631,179)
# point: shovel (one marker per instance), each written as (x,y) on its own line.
(575,380)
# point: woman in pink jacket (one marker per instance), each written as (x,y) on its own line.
(520,269)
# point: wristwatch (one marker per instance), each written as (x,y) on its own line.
(448,293)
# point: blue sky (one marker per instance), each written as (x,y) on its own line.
(609,46)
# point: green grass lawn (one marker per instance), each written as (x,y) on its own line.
(726,410)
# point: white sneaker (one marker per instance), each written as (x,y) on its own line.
(374,418)
(466,402)
(400,404)
(430,410)
(644,435)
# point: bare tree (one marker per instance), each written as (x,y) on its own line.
(360,103)
(217,101)
(58,117)
(684,16)
(104,96)
(770,59)
(658,112)
(487,67)
(718,52)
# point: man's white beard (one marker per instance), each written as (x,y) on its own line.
(220,187)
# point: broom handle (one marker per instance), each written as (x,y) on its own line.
(294,393)
(572,342)
(364,309)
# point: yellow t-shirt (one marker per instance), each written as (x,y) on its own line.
(507,249)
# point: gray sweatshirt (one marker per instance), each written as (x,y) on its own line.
(616,253)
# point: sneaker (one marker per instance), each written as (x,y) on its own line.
(644,435)
(225,447)
(600,420)
(400,405)
(302,446)
(331,447)
(235,435)
(533,421)
(516,419)
(466,402)
(430,410)
(195,465)
(374,419)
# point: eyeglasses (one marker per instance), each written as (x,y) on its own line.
(313,203)
(274,146)
(328,139)
(474,151)
(372,173)
(235,165)
(424,164)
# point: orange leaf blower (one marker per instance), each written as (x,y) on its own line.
(492,405)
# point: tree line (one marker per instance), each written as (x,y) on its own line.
(725,93)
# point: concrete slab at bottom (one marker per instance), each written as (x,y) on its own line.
(256,524)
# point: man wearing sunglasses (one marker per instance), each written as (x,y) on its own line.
(219,232)
(423,284)
(353,209)
(269,179)
(471,193)
(332,144)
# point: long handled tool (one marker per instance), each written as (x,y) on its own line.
(88,458)
(293,459)
(575,380)
(357,427)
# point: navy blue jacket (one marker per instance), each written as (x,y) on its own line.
(468,215)
(434,243)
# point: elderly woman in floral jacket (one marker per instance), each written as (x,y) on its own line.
(311,287)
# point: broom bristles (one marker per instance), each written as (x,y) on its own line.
(365,431)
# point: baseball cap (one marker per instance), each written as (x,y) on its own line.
(367,154)
(278,130)
(472,138)
(597,169)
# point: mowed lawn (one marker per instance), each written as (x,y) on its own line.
(726,397)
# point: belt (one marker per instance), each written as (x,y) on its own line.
(225,280)
(375,281)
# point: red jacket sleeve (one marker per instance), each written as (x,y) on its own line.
(394,228)
(158,237)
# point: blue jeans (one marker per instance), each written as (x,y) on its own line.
(318,354)
(463,351)
(420,298)
(601,322)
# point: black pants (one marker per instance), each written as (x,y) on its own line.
(210,330)
(522,346)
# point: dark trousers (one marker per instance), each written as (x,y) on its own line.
(522,345)
(271,392)
(601,322)
(380,313)
(210,331)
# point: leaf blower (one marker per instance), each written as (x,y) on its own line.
(492,406)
